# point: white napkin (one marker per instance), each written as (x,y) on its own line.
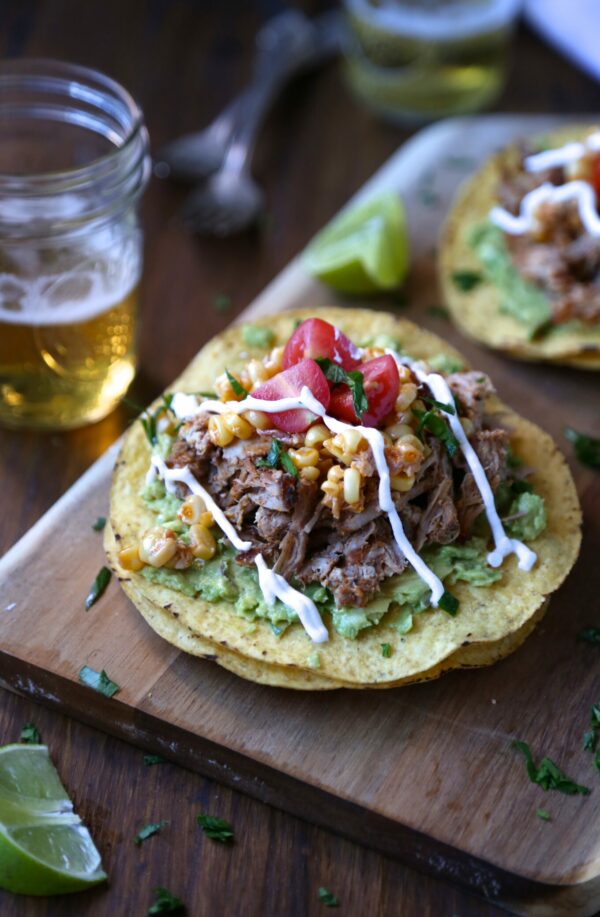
(572,26)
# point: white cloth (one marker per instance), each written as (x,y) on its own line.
(572,26)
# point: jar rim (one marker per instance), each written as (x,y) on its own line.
(72,80)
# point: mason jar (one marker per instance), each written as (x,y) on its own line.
(73,164)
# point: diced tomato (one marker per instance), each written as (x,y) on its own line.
(596,177)
(289,384)
(315,339)
(381,383)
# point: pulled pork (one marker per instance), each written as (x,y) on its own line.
(349,549)
(561,258)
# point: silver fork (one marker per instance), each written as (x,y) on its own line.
(230,200)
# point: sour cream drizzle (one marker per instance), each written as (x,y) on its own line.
(562,155)
(579,191)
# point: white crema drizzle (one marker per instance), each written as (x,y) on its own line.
(578,190)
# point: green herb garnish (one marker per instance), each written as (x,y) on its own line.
(30,735)
(590,635)
(148,420)
(166,903)
(438,427)
(277,457)
(99,524)
(548,775)
(587,448)
(148,830)
(466,280)
(333,372)
(386,650)
(216,828)
(222,302)
(590,738)
(543,814)
(449,603)
(149,760)
(257,336)
(237,387)
(327,898)
(512,460)
(99,681)
(438,312)
(440,405)
(97,587)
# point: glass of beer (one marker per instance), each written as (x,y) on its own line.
(73,163)
(416,60)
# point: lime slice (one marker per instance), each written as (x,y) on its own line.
(44,848)
(364,249)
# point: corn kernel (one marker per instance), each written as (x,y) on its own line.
(258,419)
(238,426)
(274,361)
(257,372)
(218,431)
(316,435)
(157,547)
(330,489)
(352,485)
(406,396)
(191,509)
(401,482)
(310,473)
(404,374)
(335,473)
(305,457)
(399,429)
(350,439)
(203,542)
(129,558)
(222,387)
(206,519)
(410,449)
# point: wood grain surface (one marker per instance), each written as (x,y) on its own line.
(183,61)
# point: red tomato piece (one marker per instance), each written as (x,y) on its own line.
(596,177)
(315,339)
(289,384)
(381,383)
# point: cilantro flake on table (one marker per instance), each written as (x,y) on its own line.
(148,830)
(30,735)
(97,588)
(217,829)
(589,635)
(99,681)
(149,760)
(587,448)
(99,524)
(327,898)
(548,775)
(166,903)
(543,814)
(222,302)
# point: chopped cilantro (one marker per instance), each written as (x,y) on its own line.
(465,281)
(148,830)
(386,650)
(590,738)
(257,336)
(99,681)
(438,312)
(30,735)
(512,460)
(217,829)
(99,524)
(587,448)
(97,587)
(277,457)
(237,387)
(354,380)
(327,898)
(166,903)
(590,635)
(543,814)
(440,405)
(222,302)
(438,427)
(149,760)
(449,603)
(548,775)
(148,420)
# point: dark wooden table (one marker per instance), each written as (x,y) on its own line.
(183,60)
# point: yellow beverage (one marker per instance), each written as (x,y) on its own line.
(412,60)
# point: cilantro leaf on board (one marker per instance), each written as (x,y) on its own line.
(548,775)
(148,830)
(217,829)
(30,735)
(327,898)
(97,588)
(587,448)
(99,681)
(166,903)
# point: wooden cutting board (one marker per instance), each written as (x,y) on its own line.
(426,772)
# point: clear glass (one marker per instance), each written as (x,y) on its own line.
(73,163)
(416,60)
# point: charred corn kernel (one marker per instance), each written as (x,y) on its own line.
(218,431)
(401,482)
(222,387)
(202,542)
(305,457)
(351,485)
(399,429)
(274,361)
(207,520)
(157,547)
(257,372)
(258,419)
(191,509)
(335,474)
(410,449)
(467,425)
(129,558)
(406,396)
(404,374)
(310,473)
(237,426)
(316,435)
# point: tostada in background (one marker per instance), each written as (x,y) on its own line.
(520,251)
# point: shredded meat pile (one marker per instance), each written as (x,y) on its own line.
(562,259)
(289,522)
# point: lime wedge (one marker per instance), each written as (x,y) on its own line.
(364,249)
(44,848)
